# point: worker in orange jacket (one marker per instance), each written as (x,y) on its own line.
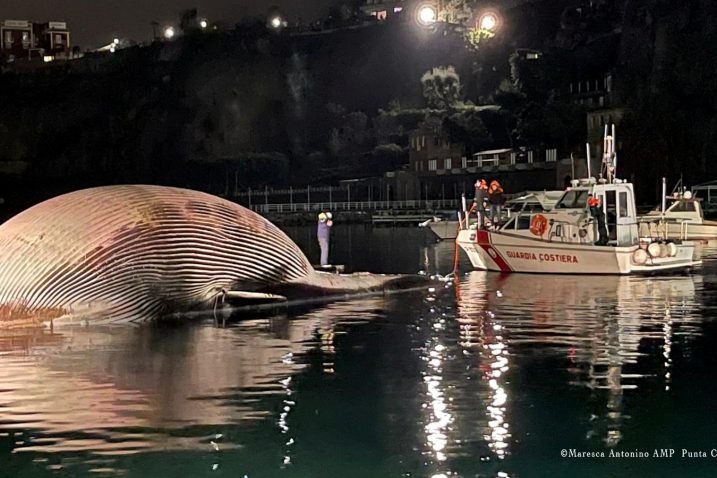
(496,199)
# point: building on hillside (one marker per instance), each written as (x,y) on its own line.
(438,169)
(383,9)
(599,95)
(432,152)
(23,39)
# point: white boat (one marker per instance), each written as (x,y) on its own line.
(529,201)
(683,219)
(562,241)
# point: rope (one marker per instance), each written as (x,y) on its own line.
(454,273)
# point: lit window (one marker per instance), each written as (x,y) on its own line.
(397,9)
(381,15)
(432,165)
(449,163)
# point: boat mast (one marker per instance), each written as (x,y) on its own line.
(609,159)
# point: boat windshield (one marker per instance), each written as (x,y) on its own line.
(573,200)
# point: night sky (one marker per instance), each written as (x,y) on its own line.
(96,22)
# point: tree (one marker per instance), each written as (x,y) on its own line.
(441,87)
(466,126)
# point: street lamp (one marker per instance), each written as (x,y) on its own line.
(488,22)
(427,15)
(169,33)
(203,23)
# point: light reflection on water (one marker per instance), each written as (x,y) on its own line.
(452,381)
(116,390)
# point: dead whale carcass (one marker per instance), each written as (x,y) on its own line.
(126,253)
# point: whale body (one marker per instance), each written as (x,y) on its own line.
(133,252)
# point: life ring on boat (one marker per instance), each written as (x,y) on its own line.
(538,225)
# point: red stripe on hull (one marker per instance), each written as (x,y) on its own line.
(483,240)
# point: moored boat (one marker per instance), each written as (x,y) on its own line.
(528,201)
(683,218)
(563,240)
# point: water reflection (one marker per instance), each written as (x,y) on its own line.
(123,390)
(479,379)
(598,324)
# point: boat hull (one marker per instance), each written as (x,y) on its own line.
(444,229)
(503,252)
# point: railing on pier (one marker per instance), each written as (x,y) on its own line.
(431,205)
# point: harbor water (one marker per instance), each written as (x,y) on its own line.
(492,376)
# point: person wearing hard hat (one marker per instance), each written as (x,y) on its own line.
(496,201)
(596,211)
(323,233)
(480,201)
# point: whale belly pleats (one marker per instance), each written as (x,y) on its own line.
(136,250)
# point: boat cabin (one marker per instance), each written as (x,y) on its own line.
(570,219)
(681,207)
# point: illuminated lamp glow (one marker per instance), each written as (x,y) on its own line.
(275,22)
(169,32)
(203,24)
(427,15)
(488,21)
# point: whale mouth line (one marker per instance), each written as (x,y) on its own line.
(298,302)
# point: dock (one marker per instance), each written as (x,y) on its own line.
(374,212)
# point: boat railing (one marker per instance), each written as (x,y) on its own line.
(661,223)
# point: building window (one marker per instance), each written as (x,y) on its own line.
(8,39)
(381,15)
(397,9)
(449,163)
(58,40)
(432,164)
(423,141)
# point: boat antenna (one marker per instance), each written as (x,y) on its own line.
(587,150)
(614,150)
(678,187)
(609,159)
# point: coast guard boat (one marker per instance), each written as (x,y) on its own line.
(562,240)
